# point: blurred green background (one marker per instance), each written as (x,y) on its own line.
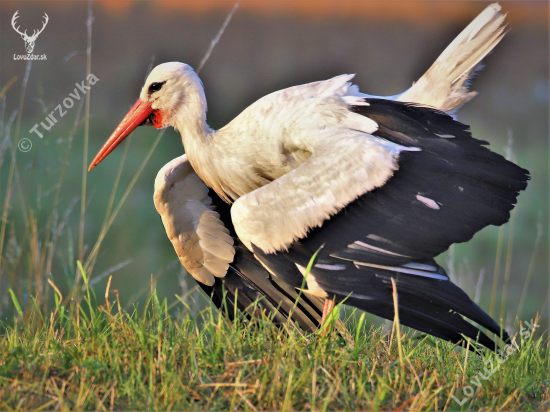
(267,46)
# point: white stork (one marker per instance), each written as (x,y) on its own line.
(379,185)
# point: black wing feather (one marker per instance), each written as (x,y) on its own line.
(391,229)
(430,305)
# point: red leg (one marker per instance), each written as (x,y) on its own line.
(329,305)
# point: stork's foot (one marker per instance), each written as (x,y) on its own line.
(329,305)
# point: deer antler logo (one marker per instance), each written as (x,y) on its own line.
(29,40)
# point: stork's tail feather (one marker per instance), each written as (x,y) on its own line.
(444,85)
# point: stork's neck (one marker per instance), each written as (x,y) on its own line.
(196,135)
(216,157)
(198,141)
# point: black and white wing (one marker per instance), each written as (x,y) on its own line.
(441,194)
(199,226)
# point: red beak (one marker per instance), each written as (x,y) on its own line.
(138,114)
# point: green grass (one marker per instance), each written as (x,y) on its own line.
(87,356)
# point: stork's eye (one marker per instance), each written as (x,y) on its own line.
(155,87)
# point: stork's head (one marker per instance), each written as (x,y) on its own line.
(172,94)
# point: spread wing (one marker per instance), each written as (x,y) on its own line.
(198,224)
(443,194)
